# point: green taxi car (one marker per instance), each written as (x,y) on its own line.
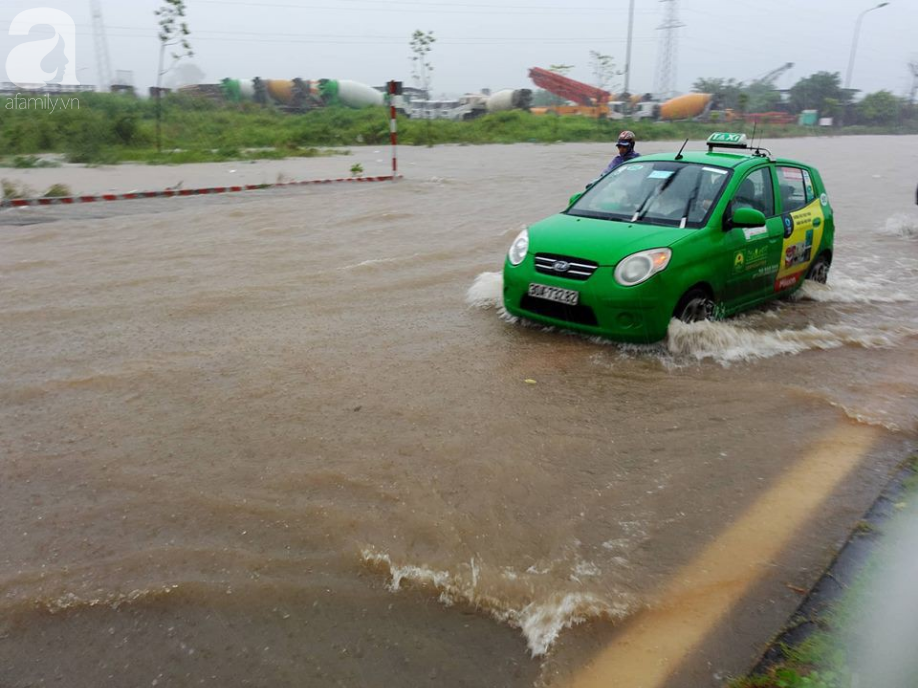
(693,235)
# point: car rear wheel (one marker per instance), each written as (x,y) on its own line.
(695,306)
(819,270)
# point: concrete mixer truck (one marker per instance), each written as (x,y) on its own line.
(471,105)
(302,95)
(291,95)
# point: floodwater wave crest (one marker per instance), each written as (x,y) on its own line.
(541,621)
(733,341)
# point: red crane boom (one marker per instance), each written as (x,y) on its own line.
(569,89)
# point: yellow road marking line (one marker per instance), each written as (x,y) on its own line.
(654,643)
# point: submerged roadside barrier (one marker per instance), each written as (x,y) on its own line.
(178,193)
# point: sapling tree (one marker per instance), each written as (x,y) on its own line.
(173,37)
(421,45)
(604,71)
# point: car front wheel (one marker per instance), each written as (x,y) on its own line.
(695,306)
(819,270)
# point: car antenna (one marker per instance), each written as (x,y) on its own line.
(679,154)
(758,149)
(761,151)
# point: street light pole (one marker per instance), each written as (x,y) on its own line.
(628,53)
(857,30)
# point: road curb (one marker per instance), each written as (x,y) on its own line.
(840,573)
(181,193)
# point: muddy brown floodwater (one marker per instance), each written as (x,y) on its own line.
(287,438)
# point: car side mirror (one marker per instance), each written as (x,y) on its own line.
(745,217)
(574,198)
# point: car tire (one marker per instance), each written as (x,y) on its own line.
(696,306)
(819,270)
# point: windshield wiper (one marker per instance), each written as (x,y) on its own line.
(652,196)
(688,206)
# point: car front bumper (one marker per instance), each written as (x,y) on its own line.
(638,314)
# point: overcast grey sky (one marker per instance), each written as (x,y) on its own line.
(493,43)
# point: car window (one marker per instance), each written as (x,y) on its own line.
(796,188)
(757,191)
(808,187)
(659,192)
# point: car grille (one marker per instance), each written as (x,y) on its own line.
(577,268)
(580,315)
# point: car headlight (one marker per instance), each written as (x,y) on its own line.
(519,248)
(640,267)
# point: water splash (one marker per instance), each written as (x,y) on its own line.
(729,342)
(380,261)
(541,621)
(71,601)
(878,418)
(486,291)
(902,225)
(732,341)
(844,289)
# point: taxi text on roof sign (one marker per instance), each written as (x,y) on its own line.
(725,138)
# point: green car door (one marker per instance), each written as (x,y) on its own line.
(749,256)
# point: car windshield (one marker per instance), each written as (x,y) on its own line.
(661,193)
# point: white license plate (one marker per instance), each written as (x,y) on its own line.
(543,291)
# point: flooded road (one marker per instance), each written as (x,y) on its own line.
(288,438)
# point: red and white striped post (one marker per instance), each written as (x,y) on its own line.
(395,89)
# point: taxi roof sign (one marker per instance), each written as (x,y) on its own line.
(724,139)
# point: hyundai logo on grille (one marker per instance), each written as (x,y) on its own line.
(565,267)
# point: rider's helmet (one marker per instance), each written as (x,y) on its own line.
(626,138)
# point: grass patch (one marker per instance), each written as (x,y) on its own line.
(59,191)
(110,128)
(13,191)
(864,527)
(28,162)
(821,660)
(911,482)
(182,157)
(816,663)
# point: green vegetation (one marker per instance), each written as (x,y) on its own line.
(604,71)
(12,191)
(818,662)
(911,482)
(28,162)
(181,157)
(821,91)
(421,68)
(106,129)
(9,189)
(173,35)
(881,107)
(58,191)
(110,128)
